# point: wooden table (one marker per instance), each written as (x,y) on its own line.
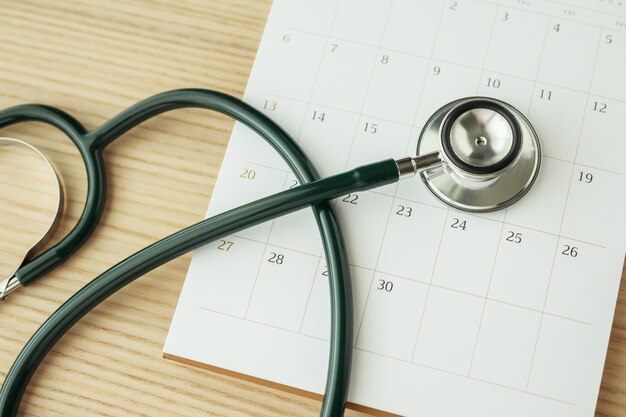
(93,59)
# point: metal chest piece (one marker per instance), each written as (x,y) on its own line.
(490,153)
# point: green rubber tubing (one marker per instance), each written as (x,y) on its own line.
(312,192)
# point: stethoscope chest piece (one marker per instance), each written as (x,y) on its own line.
(490,153)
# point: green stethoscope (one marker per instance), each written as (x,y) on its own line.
(475,154)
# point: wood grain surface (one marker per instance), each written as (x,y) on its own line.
(93,59)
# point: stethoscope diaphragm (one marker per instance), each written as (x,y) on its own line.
(490,154)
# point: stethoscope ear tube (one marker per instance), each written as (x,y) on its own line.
(11,282)
(312,193)
(486,188)
(90,146)
(42,263)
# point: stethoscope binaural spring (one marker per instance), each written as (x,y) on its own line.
(476,154)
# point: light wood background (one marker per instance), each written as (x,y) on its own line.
(93,59)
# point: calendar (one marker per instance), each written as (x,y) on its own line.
(455,314)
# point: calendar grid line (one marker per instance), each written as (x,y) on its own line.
(618,100)
(560,236)
(445,61)
(489,43)
(362,316)
(586,9)
(541,54)
(374,191)
(593,70)
(307,107)
(317,71)
(447,209)
(369,82)
(406,152)
(261,323)
(486,298)
(369,292)
(355,113)
(493,220)
(526,392)
(496,300)
(473,304)
(513,7)
(306,307)
(258,271)
(383,355)
(396,197)
(530,106)
(424,81)
(428,283)
(545,313)
(509,223)
(417,126)
(434,368)
(545,301)
(608,171)
(543,308)
(285,170)
(380,249)
(416,112)
(313,255)
(569,188)
(482,313)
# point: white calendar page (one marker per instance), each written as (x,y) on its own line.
(503,314)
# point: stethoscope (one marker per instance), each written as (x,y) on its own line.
(475,154)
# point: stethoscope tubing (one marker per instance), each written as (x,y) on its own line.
(90,146)
(96,186)
(320,191)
